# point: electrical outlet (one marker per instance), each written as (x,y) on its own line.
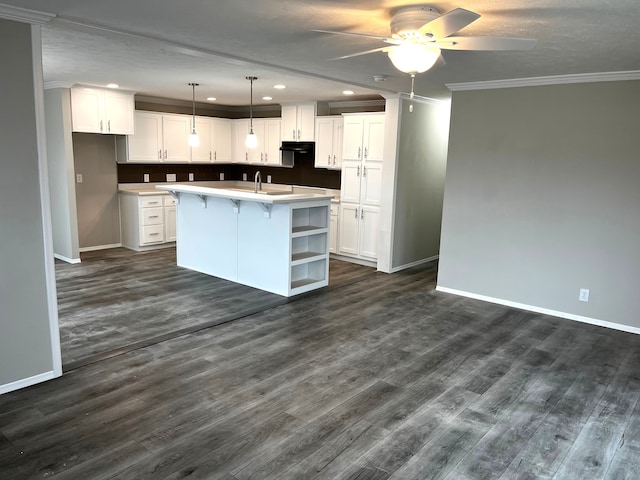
(244,177)
(221,176)
(171,177)
(584,295)
(145,178)
(78,178)
(191,177)
(268,178)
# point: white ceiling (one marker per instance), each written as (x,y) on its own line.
(155,47)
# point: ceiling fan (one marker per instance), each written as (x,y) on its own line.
(419,33)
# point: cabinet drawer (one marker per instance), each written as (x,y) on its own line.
(334,208)
(152,234)
(169,200)
(152,216)
(153,201)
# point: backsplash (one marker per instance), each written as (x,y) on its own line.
(303,173)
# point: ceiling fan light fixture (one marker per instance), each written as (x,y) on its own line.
(413,58)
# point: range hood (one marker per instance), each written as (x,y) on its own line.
(291,149)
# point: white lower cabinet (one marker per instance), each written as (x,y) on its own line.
(358,231)
(333,228)
(147,221)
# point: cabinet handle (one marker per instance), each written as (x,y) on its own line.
(154,234)
(153,203)
(266,157)
(215,156)
(261,157)
(246,156)
(165,154)
(359,150)
(334,159)
(100,125)
(328,159)
(209,155)
(364,171)
(153,216)
(358,172)
(356,212)
(298,134)
(366,153)
(109,126)
(293,133)
(362,213)
(159,154)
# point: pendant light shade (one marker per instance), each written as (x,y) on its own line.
(194,139)
(413,58)
(252,140)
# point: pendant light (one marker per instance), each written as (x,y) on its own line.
(252,139)
(194,140)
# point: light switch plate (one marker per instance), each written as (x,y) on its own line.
(244,177)
(79,178)
(191,177)
(221,176)
(171,177)
(268,178)
(145,178)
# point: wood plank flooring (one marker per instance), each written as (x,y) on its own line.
(381,378)
(118,300)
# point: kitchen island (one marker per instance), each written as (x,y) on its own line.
(276,241)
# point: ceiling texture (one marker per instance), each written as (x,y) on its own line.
(156,47)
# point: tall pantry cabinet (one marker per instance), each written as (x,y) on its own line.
(361,185)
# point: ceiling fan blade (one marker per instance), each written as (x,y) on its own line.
(449,23)
(381,49)
(352,34)
(486,43)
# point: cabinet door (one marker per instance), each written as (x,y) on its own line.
(289,115)
(368,242)
(352,139)
(350,185)
(324,142)
(338,135)
(349,222)
(118,113)
(170,224)
(371,183)
(175,135)
(202,153)
(240,130)
(145,145)
(272,142)
(373,141)
(221,139)
(256,155)
(306,119)
(86,110)
(333,233)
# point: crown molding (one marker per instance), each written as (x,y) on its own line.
(57,84)
(25,15)
(356,103)
(550,80)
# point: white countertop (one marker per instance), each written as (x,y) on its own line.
(235,193)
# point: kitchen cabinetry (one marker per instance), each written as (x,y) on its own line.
(147,221)
(298,122)
(215,141)
(361,185)
(267,152)
(333,228)
(94,110)
(329,137)
(158,138)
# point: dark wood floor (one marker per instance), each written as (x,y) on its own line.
(380,378)
(118,300)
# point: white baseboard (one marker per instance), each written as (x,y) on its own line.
(413,264)
(545,311)
(26,382)
(358,261)
(66,259)
(100,247)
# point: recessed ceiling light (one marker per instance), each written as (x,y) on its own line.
(347,92)
(267,98)
(113,85)
(279,86)
(211,99)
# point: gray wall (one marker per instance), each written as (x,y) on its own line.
(25,335)
(97,196)
(542,198)
(61,173)
(421,162)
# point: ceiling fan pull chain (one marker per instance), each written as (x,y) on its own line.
(413,79)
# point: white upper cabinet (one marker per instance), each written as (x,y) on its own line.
(94,110)
(267,130)
(221,140)
(329,138)
(203,152)
(175,138)
(272,141)
(298,122)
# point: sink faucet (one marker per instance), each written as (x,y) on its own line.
(257,181)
